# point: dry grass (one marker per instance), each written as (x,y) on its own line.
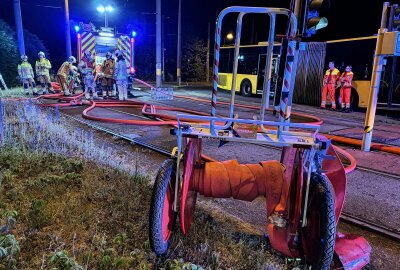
(13,92)
(98,216)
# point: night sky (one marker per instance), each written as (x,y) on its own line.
(45,18)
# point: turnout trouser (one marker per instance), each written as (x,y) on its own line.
(345,94)
(328,88)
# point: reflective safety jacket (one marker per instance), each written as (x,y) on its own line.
(108,68)
(346,78)
(42,67)
(121,73)
(65,68)
(87,66)
(331,76)
(25,71)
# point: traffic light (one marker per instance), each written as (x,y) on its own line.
(312,21)
(396,17)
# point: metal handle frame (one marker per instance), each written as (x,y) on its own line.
(272,12)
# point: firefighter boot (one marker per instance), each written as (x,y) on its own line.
(51,90)
(95,94)
(35,92)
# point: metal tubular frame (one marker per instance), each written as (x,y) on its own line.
(272,12)
(268,66)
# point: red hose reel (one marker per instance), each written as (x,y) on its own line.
(282,184)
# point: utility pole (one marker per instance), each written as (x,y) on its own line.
(375,81)
(67,30)
(179,46)
(208,55)
(18,25)
(105,19)
(163,48)
(158,43)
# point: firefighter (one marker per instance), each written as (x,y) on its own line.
(107,69)
(66,68)
(330,78)
(25,72)
(345,89)
(87,67)
(42,67)
(121,76)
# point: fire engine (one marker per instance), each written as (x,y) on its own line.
(102,40)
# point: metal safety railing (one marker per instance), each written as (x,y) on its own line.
(200,126)
(290,65)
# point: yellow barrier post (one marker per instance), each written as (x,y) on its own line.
(375,81)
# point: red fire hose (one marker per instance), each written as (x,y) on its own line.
(168,119)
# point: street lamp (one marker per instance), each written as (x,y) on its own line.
(105,10)
(229,36)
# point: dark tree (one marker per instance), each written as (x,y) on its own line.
(9,55)
(145,61)
(194,53)
(33,45)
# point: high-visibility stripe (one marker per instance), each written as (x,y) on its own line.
(91,48)
(87,42)
(125,46)
(89,45)
(85,37)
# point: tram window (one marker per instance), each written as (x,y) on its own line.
(225,63)
(248,64)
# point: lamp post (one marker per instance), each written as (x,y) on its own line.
(67,30)
(158,44)
(18,26)
(179,45)
(105,10)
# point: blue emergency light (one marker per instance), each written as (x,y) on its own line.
(77,28)
(134,33)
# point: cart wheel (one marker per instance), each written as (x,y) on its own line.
(162,217)
(189,193)
(320,233)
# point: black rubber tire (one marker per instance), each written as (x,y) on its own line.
(337,99)
(324,193)
(246,88)
(165,176)
(354,99)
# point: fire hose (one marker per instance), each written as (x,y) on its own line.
(165,119)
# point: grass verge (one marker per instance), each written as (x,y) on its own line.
(73,214)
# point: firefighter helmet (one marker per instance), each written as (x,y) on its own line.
(118,53)
(41,55)
(88,54)
(24,57)
(72,60)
